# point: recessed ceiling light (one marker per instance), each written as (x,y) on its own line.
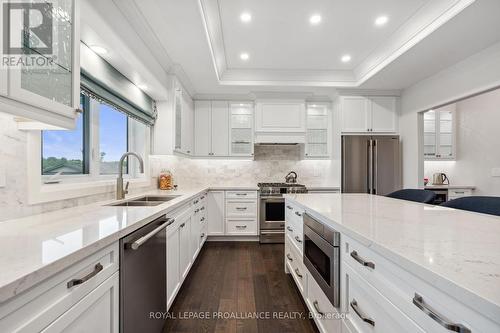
(98,49)
(315,19)
(381,20)
(244,56)
(142,86)
(346,58)
(246,17)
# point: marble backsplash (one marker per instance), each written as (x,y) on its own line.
(271,164)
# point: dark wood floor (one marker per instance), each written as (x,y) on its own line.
(243,279)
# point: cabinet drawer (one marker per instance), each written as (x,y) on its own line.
(241,226)
(400,288)
(241,194)
(36,308)
(369,311)
(241,208)
(325,315)
(458,193)
(296,266)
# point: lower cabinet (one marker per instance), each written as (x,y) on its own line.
(96,312)
(184,248)
(173,264)
(215,214)
(58,305)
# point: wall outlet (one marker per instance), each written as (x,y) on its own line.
(495,172)
(2,177)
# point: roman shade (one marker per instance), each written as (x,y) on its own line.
(105,83)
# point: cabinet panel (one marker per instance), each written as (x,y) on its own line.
(384,114)
(187,125)
(195,237)
(202,132)
(280,117)
(220,128)
(355,114)
(439,134)
(173,264)
(3,70)
(215,200)
(96,312)
(184,251)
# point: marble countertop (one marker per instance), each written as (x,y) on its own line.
(449,187)
(34,248)
(456,251)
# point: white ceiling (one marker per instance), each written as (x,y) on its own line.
(201,40)
(281,37)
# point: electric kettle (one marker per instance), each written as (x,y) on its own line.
(440,179)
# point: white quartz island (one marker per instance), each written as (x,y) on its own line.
(455,252)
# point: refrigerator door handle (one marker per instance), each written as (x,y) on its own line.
(369,178)
(375,167)
(343,166)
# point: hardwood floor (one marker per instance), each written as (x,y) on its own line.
(243,279)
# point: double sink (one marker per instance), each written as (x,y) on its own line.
(147,200)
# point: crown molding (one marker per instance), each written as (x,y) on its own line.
(426,20)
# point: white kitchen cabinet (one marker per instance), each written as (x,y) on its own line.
(377,114)
(215,213)
(173,263)
(55,306)
(96,312)
(440,134)
(220,128)
(195,235)
(184,123)
(280,116)
(241,131)
(211,128)
(51,94)
(185,258)
(318,131)
(202,134)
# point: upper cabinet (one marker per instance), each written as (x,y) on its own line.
(280,116)
(439,134)
(211,128)
(318,131)
(362,114)
(47,89)
(184,123)
(241,131)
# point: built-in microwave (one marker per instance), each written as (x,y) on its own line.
(322,256)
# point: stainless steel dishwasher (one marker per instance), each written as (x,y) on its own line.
(143,278)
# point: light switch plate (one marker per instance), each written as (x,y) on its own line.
(2,177)
(495,172)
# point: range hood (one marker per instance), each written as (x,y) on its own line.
(280,138)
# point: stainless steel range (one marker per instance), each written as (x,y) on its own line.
(272,209)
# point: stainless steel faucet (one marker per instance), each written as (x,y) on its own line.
(120,192)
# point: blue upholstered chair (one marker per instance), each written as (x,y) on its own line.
(423,196)
(478,204)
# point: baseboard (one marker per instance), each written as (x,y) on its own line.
(232,238)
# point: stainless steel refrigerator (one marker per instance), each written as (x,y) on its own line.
(371,164)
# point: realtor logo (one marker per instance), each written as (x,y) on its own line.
(27,28)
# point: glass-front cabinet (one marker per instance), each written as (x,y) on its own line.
(241,129)
(439,133)
(317,131)
(46,73)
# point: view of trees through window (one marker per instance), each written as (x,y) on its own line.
(67,152)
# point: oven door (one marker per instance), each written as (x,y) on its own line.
(272,213)
(323,262)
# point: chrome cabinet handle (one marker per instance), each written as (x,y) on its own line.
(354,306)
(196,201)
(202,219)
(97,268)
(241,208)
(316,307)
(298,239)
(241,194)
(241,226)
(203,197)
(202,235)
(461,192)
(183,225)
(137,243)
(196,210)
(202,208)
(356,257)
(289,229)
(298,214)
(289,257)
(419,303)
(289,207)
(298,273)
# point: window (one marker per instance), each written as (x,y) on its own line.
(94,148)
